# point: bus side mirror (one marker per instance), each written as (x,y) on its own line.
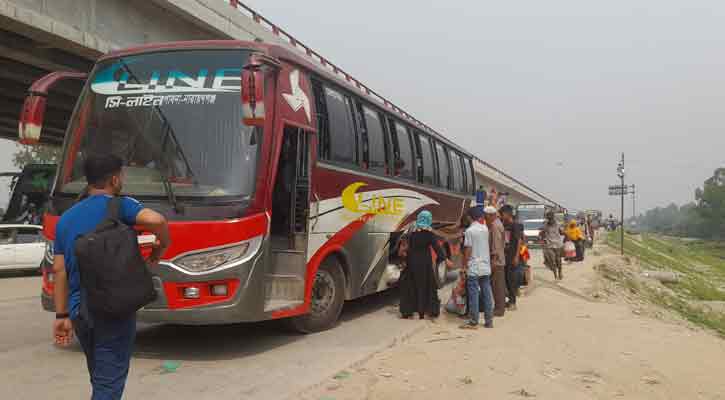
(253,75)
(253,112)
(33,113)
(31,119)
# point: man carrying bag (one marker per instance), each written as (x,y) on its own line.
(101,278)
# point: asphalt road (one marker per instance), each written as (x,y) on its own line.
(259,361)
(243,361)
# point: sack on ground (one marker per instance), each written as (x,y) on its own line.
(457,302)
(456,305)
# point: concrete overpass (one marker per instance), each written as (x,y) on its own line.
(518,192)
(41,36)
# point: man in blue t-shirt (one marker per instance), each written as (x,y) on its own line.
(107,344)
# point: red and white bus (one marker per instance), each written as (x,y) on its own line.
(286,187)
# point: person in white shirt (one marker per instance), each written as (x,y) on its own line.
(477,266)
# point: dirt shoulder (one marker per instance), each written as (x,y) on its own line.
(581,339)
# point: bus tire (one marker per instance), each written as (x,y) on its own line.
(328,297)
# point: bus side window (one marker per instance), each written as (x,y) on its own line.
(387,143)
(342,138)
(469,175)
(418,156)
(465,172)
(362,135)
(376,141)
(428,173)
(443,166)
(458,180)
(404,154)
(323,124)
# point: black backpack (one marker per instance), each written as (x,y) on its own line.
(114,275)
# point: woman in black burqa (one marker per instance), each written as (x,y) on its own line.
(418,284)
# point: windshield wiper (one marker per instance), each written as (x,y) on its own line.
(171,195)
(168,133)
(167,172)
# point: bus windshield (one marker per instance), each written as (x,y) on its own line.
(174,118)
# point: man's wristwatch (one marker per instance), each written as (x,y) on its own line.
(63,315)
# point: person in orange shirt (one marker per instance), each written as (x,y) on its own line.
(574,234)
(525,256)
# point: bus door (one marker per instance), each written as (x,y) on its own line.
(285,287)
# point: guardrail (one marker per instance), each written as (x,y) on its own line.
(295,43)
(327,64)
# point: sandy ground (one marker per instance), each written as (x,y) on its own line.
(562,343)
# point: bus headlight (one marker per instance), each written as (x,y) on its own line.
(208,260)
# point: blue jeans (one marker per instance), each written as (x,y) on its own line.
(479,289)
(108,345)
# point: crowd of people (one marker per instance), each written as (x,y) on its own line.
(494,267)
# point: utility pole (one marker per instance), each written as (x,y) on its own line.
(620,173)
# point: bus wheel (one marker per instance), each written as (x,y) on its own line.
(328,296)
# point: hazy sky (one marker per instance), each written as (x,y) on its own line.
(549,91)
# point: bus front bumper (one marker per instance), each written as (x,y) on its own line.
(224,297)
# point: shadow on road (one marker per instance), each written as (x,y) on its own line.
(366,305)
(224,342)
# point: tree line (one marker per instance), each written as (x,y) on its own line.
(703,218)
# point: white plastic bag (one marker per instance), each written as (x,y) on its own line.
(569,250)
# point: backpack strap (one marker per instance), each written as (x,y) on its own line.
(114,209)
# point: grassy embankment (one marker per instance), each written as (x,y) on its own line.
(700,265)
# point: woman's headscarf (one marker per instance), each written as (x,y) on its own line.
(424,220)
(572,231)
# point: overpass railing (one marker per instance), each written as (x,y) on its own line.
(293,42)
(336,70)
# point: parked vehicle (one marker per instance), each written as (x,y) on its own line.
(532,229)
(28,194)
(532,216)
(286,186)
(21,247)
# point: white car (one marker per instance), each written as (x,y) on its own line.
(22,247)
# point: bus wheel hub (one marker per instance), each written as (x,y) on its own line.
(323,292)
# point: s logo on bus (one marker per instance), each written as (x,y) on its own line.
(376,204)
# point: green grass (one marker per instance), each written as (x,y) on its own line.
(700,264)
